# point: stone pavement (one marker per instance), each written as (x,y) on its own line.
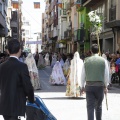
(66,108)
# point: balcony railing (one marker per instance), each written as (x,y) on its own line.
(50,34)
(68,7)
(64,11)
(68,34)
(112,13)
(79,35)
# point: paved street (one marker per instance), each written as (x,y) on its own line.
(65,108)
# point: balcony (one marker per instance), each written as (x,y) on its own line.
(90,3)
(113,23)
(68,34)
(112,13)
(68,7)
(14,24)
(2,20)
(50,34)
(79,35)
(55,32)
(46,9)
(51,20)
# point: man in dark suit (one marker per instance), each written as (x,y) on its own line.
(15,84)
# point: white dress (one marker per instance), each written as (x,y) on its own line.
(74,80)
(40,60)
(54,60)
(66,67)
(57,76)
(47,61)
(33,71)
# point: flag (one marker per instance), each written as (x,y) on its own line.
(36,5)
(15,5)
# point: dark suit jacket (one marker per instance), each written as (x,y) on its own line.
(15,86)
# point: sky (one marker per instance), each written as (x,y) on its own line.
(33,15)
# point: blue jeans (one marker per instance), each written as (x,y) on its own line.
(94,98)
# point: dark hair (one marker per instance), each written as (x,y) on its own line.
(94,49)
(13,46)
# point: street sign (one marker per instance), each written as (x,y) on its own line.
(34,42)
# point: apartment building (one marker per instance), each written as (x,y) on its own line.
(73,32)
(5,16)
(109,38)
(16,20)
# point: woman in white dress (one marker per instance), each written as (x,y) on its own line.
(40,60)
(57,77)
(47,61)
(54,60)
(66,67)
(33,71)
(73,83)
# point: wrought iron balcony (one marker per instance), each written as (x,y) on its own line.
(90,3)
(79,35)
(68,34)
(112,13)
(68,7)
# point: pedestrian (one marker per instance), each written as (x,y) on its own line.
(33,71)
(73,83)
(95,73)
(15,85)
(47,61)
(57,77)
(36,58)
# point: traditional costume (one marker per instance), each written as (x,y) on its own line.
(54,60)
(73,83)
(33,71)
(57,76)
(47,61)
(40,60)
(66,67)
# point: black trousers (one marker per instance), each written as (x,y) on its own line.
(10,117)
(94,98)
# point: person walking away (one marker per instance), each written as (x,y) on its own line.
(57,77)
(33,71)
(15,84)
(36,58)
(74,82)
(47,61)
(95,73)
(41,60)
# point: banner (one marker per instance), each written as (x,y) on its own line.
(34,42)
(36,5)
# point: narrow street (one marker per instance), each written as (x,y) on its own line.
(65,108)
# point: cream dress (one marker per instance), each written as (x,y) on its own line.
(57,77)
(74,79)
(33,71)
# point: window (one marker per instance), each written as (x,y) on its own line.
(1,7)
(112,10)
(113,3)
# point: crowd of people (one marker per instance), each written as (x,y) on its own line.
(80,73)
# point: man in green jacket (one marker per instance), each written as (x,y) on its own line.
(95,74)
